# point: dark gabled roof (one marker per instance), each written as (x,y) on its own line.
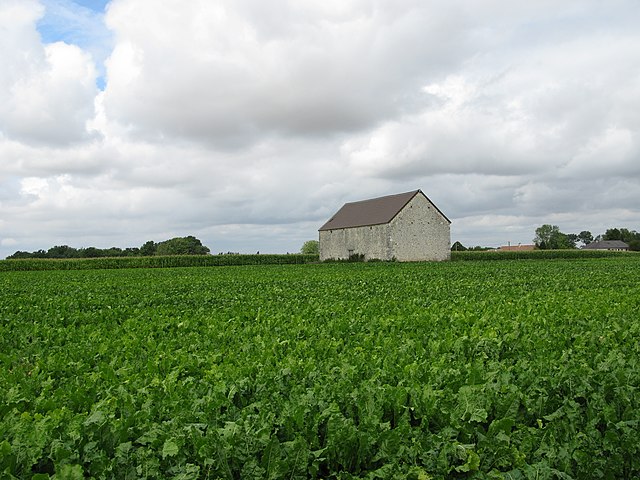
(607,245)
(375,211)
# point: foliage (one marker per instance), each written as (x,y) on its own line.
(443,370)
(623,234)
(182,246)
(175,246)
(356,257)
(549,237)
(149,248)
(156,262)
(458,247)
(310,247)
(585,237)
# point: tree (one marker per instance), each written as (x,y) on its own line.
(585,237)
(544,235)
(623,234)
(148,249)
(91,252)
(182,246)
(612,234)
(549,237)
(62,251)
(20,254)
(458,247)
(567,240)
(572,238)
(310,247)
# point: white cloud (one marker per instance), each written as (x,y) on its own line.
(46,91)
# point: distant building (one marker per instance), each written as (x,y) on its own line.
(617,245)
(405,227)
(517,248)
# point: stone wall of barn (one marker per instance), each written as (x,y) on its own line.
(371,241)
(418,233)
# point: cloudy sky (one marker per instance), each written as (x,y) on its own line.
(248,123)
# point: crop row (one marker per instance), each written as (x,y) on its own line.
(155,262)
(454,370)
(272,259)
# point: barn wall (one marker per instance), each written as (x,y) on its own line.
(372,241)
(420,232)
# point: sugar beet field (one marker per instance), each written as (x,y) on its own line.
(494,369)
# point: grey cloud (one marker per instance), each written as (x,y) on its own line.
(220,76)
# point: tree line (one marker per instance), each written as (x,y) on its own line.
(549,237)
(175,246)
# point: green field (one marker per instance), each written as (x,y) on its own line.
(478,369)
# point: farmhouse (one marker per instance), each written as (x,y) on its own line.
(406,227)
(607,245)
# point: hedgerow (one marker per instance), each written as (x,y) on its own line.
(172,261)
(536,254)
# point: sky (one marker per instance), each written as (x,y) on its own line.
(248,123)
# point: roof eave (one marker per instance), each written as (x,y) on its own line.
(323,229)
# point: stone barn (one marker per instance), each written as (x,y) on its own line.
(407,227)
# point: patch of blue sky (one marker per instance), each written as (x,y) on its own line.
(81,23)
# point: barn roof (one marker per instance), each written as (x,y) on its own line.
(375,211)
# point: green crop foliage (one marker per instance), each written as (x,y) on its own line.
(471,369)
(172,261)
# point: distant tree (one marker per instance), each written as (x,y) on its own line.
(572,240)
(114,252)
(622,234)
(148,248)
(182,246)
(634,245)
(629,236)
(612,234)
(568,241)
(91,252)
(62,251)
(585,237)
(310,247)
(175,246)
(458,247)
(544,235)
(549,237)
(19,254)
